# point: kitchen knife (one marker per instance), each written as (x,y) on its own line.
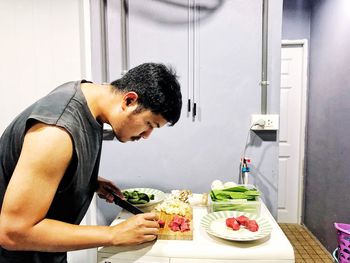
(126,205)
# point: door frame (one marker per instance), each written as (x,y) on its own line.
(303,118)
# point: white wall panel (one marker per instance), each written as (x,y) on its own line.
(40,48)
(43,44)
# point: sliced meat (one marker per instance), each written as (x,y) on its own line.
(179,223)
(236,226)
(161,223)
(230,221)
(174,226)
(184,227)
(236,223)
(252,225)
(242,220)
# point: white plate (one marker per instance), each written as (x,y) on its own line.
(158,195)
(215,224)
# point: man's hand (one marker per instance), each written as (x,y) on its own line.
(105,187)
(136,230)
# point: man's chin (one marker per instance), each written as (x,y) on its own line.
(122,140)
(119,139)
(125,140)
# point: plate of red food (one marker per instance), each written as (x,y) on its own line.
(236,226)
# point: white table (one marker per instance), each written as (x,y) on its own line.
(205,248)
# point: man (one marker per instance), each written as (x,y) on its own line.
(49,161)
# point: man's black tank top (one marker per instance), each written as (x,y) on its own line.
(65,107)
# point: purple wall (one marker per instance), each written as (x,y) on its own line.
(327,185)
(326,24)
(296,19)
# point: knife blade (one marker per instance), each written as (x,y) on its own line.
(126,205)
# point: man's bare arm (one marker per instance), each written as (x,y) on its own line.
(46,153)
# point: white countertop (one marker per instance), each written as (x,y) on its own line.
(275,248)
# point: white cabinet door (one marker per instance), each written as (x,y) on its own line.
(190,260)
(130,258)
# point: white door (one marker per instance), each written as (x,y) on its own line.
(292,130)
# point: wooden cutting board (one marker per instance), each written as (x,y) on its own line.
(167,234)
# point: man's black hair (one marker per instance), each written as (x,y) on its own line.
(157,88)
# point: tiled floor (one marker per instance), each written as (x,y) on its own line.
(306,247)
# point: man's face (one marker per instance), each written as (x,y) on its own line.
(135,126)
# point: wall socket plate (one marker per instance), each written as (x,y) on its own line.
(266,122)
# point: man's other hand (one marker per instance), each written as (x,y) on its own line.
(105,187)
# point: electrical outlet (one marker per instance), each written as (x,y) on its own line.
(265,122)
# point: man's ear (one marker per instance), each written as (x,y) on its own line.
(129,99)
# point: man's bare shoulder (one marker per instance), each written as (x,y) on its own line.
(48,140)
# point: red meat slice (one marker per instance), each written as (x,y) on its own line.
(174,226)
(184,227)
(252,225)
(242,220)
(236,225)
(179,223)
(178,219)
(230,221)
(161,223)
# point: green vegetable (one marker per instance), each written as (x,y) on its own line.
(223,195)
(234,198)
(237,192)
(240,188)
(252,193)
(137,198)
